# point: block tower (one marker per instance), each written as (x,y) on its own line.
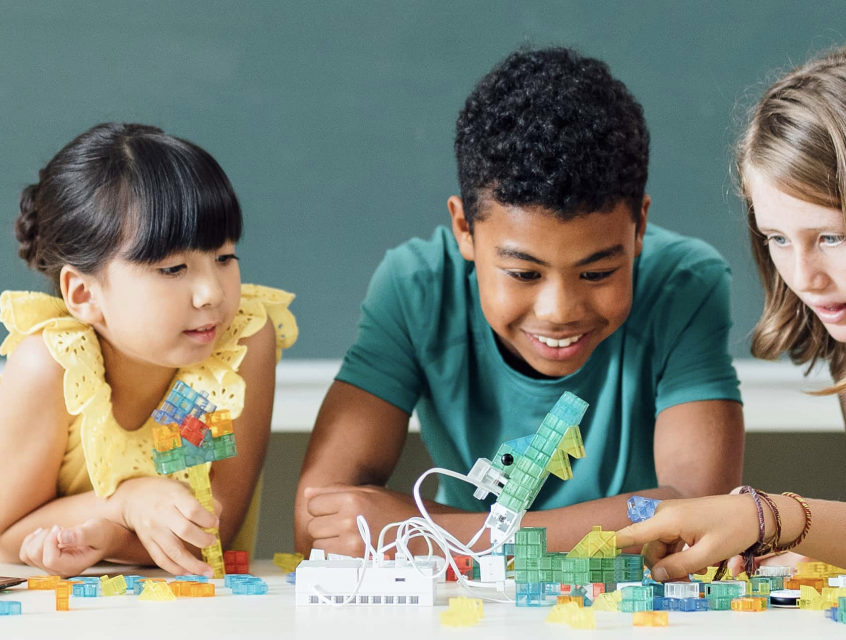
(190,433)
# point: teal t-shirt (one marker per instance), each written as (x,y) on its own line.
(423,343)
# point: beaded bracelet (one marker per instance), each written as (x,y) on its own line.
(807,526)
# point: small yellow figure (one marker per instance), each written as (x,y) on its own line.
(462,612)
(573,616)
(650,619)
(156,591)
(288,562)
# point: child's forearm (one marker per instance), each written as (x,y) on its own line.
(825,537)
(70,511)
(565,527)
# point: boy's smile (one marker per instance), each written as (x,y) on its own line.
(551,289)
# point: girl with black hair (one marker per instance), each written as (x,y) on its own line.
(136,230)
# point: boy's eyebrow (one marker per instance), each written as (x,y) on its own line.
(509,252)
(609,252)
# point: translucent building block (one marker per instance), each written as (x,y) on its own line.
(166,437)
(692,604)
(113,586)
(748,604)
(797,583)
(193,430)
(42,583)
(288,562)
(643,594)
(706,577)
(681,590)
(236,561)
(156,591)
(597,543)
(573,616)
(811,599)
(462,612)
(650,619)
(578,600)
(63,591)
(605,602)
(220,422)
(640,508)
(10,608)
(138,585)
(85,590)
(488,479)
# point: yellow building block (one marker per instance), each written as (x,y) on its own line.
(288,562)
(810,598)
(573,616)
(596,544)
(156,591)
(166,437)
(708,576)
(605,602)
(462,612)
(748,604)
(113,586)
(43,583)
(650,619)
(220,423)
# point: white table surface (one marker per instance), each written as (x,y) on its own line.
(275,616)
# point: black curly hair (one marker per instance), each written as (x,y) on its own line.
(553,129)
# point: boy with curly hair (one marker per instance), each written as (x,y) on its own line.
(550,280)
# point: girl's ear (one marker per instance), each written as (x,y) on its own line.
(81,294)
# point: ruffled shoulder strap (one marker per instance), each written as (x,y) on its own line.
(219,373)
(73,344)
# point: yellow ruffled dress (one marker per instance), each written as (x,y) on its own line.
(100,454)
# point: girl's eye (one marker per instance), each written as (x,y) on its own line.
(172,271)
(524,276)
(832,240)
(227,258)
(779,241)
(596,276)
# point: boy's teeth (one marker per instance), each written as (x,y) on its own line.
(552,342)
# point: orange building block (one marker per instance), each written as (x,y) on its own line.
(650,619)
(797,583)
(748,604)
(579,600)
(43,583)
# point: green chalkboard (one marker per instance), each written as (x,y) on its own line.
(335,119)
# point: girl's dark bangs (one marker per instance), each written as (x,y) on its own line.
(181,201)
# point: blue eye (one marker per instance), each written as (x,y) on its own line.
(779,241)
(832,240)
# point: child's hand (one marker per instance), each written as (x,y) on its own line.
(713,528)
(335,507)
(69,552)
(162,512)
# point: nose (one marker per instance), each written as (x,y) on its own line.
(208,290)
(557,305)
(809,273)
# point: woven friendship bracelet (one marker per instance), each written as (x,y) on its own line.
(773,544)
(807,526)
(755,549)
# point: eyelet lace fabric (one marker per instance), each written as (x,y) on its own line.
(96,442)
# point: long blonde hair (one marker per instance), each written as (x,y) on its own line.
(796,139)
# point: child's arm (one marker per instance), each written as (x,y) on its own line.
(358,438)
(34,430)
(356,441)
(234,480)
(720,527)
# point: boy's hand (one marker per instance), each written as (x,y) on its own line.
(334,509)
(69,552)
(163,513)
(713,529)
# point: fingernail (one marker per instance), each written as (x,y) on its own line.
(660,574)
(54,529)
(38,530)
(209,573)
(66,536)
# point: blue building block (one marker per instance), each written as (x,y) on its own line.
(85,590)
(692,604)
(192,578)
(244,584)
(10,608)
(291,578)
(533,595)
(640,508)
